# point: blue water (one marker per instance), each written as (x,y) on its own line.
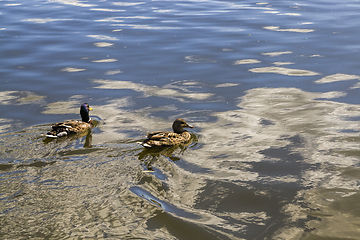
(272,89)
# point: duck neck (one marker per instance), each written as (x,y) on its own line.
(84,115)
(85,119)
(179,131)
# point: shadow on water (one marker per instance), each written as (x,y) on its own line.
(87,135)
(182,229)
(170,208)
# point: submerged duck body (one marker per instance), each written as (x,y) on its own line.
(166,138)
(73,126)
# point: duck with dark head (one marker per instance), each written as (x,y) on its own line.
(73,126)
(166,138)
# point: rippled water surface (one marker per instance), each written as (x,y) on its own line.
(272,89)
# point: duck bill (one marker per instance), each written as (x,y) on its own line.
(189,126)
(90,109)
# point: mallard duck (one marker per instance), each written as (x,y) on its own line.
(166,138)
(72,126)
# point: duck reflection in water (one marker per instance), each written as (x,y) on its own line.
(166,142)
(87,135)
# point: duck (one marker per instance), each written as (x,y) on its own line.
(162,139)
(70,127)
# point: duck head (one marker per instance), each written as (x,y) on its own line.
(84,112)
(179,125)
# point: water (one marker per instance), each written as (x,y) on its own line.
(272,89)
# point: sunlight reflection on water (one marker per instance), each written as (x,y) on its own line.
(272,90)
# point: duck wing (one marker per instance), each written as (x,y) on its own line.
(160,135)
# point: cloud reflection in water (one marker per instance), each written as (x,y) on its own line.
(302,132)
(276,137)
(152,90)
(284,71)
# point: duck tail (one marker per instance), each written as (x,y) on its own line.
(62,134)
(55,134)
(144,144)
(50,136)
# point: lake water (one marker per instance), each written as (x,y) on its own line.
(272,89)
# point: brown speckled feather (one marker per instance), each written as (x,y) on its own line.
(68,128)
(166,138)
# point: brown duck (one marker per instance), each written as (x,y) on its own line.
(167,138)
(73,126)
